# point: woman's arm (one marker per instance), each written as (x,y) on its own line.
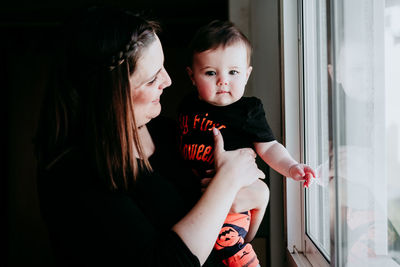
(89,225)
(234,169)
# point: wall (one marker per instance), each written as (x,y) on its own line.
(259,19)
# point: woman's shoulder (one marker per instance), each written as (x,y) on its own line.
(161,122)
(162,129)
(69,170)
(61,158)
(190,102)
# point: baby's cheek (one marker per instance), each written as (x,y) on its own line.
(203,87)
(237,95)
(205,93)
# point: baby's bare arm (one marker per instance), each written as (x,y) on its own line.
(276,156)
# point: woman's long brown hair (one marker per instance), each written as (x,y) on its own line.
(90,104)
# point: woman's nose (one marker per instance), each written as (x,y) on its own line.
(166,80)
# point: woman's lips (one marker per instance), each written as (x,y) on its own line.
(155,101)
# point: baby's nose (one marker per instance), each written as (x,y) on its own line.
(222,82)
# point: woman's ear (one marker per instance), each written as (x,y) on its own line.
(191,75)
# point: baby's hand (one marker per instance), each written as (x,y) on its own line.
(308,178)
(300,172)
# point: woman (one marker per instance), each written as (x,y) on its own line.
(112,190)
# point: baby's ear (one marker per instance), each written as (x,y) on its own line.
(191,75)
(248,72)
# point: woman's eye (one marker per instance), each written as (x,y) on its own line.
(211,73)
(152,81)
(233,72)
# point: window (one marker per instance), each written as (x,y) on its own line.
(349,73)
(316,120)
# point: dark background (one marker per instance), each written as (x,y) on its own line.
(30,41)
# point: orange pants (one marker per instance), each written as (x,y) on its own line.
(230,243)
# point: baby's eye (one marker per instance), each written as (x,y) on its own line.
(210,73)
(233,72)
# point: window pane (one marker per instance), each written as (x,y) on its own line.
(316,130)
(367,130)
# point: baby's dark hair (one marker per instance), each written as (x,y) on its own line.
(215,34)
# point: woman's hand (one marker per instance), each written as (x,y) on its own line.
(239,166)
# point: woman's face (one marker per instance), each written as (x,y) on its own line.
(148,82)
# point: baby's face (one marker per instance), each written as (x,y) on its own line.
(221,74)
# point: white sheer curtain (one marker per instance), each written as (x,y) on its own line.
(366,129)
(360,153)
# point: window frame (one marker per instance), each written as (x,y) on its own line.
(311,251)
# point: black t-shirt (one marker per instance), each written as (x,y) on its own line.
(241,124)
(91,226)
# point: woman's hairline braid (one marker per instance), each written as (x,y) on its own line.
(130,48)
(136,42)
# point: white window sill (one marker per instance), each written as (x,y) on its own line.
(297,260)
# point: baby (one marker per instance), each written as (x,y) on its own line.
(219,67)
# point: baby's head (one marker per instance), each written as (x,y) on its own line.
(219,63)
